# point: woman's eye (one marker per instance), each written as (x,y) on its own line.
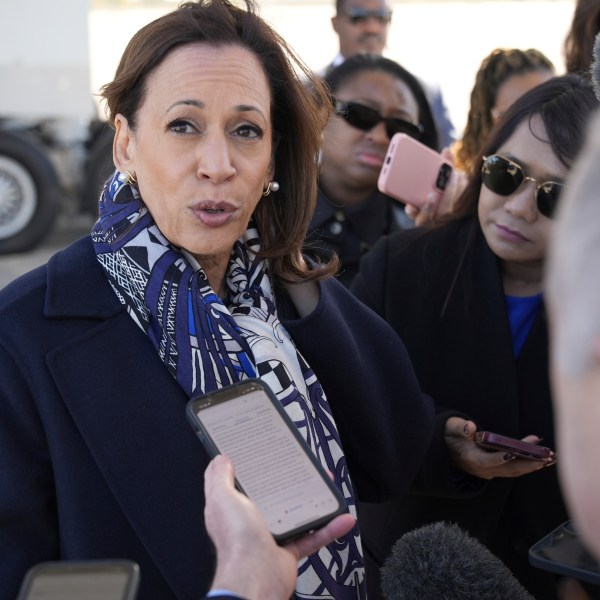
(249,131)
(181,126)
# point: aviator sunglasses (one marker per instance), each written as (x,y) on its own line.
(358,16)
(365,118)
(504,177)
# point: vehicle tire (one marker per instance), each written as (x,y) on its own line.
(99,167)
(29,193)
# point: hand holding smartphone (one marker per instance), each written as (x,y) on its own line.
(521,449)
(274,465)
(411,171)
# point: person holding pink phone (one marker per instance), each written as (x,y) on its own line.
(373,98)
(467,299)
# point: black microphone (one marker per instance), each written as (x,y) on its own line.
(441,561)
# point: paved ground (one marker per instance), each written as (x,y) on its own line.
(67,230)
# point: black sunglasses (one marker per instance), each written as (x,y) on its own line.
(505,177)
(360,15)
(365,118)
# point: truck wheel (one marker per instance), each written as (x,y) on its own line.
(99,167)
(29,193)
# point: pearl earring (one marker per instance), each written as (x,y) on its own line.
(272,186)
(127,177)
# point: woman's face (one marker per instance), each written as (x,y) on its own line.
(514,228)
(351,157)
(201,150)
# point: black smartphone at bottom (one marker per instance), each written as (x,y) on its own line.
(79,580)
(274,465)
(562,551)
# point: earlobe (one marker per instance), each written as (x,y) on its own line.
(122,155)
(334,23)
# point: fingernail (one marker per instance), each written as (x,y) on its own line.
(466,429)
(509,456)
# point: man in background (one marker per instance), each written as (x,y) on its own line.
(363,26)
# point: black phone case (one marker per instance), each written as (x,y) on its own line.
(232,391)
(563,552)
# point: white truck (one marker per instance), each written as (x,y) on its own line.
(55,150)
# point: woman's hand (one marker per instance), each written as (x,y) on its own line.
(485,464)
(437,205)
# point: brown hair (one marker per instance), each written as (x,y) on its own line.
(495,69)
(297,113)
(579,42)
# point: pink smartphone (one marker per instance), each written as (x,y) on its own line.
(411,170)
(495,441)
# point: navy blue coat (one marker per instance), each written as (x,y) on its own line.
(97,459)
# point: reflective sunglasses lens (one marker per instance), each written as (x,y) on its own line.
(547,198)
(359,16)
(501,176)
(361,117)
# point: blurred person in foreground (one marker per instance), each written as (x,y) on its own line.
(467,299)
(362,26)
(574,309)
(193,278)
(573,290)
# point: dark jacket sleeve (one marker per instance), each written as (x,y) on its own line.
(436,475)
(384,420)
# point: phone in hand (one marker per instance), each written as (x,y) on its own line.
(75,580)
(495,441)
(412,170)
(562,552)
(274,465)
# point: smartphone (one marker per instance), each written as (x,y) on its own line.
(411,170)
(563,552)
(495,441)
(274,466)
(75,580)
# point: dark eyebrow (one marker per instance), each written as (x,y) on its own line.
(200,104)
(195,103)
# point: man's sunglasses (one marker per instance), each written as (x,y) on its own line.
(365,118)
(360,15)
(505,177)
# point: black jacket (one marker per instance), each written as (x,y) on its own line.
(458,337)
(97,459)
(351,231)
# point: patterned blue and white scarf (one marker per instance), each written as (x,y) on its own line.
(207,344)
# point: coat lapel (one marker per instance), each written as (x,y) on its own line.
(131,414)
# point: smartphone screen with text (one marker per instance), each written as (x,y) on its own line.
(273,464)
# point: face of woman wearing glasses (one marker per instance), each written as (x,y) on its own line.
(513,226)
(351,158)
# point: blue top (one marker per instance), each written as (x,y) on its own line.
(522,311)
